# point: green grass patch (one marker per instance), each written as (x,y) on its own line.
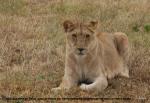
(83,11)
(147,28)
(12,7)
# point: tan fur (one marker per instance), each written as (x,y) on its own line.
(104,56)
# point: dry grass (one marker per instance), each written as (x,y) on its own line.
(32,45)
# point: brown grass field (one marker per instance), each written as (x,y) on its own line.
(32,46)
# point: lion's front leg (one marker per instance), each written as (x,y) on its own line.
(98,85)
(68,82)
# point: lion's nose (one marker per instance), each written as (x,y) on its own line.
(81,49)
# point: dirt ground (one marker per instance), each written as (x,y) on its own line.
(32,47)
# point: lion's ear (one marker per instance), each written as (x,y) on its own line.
(68,26)
(93,24)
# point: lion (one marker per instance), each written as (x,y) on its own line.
(92,58)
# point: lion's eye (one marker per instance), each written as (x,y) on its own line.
(87,35)
(74,35)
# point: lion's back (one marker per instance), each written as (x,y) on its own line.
(111,59)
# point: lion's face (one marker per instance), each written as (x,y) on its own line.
(80,37)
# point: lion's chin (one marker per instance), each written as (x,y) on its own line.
(81,54)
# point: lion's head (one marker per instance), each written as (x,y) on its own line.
(80,36)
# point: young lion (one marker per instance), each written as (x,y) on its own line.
(92,58)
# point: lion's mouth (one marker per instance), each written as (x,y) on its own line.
(81,53)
